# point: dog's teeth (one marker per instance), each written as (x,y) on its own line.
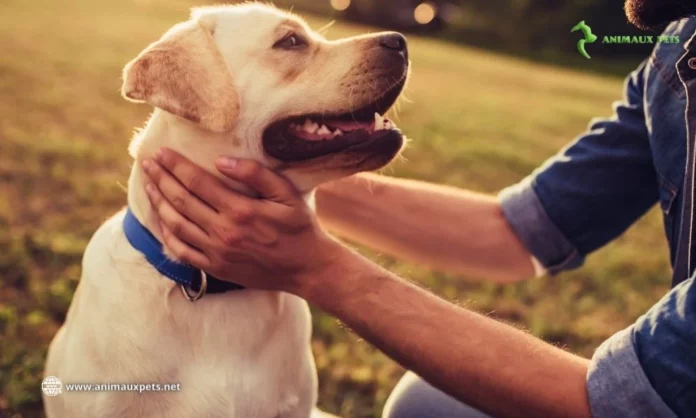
(309,126)
(379,122)
(324,130)
(337,132)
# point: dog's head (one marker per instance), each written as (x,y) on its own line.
(277,91)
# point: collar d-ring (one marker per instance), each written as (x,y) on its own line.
(201,292)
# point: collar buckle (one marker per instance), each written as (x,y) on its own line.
(201,292)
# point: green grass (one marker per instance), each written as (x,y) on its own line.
(478,120)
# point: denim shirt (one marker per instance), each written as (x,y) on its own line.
(592,191)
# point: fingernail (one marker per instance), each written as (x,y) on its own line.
(147,165)
(159,155)
(150,188)
(227,162)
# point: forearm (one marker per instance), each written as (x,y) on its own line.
(439,226)
(484,363)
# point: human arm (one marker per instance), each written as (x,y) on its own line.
(646,370)
(494,367)
(581,198)
(446,228)
(256,242)
(275,243)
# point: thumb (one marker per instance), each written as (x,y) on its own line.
(269,184)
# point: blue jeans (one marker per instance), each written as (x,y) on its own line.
(413,397)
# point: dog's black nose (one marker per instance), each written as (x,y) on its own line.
(394,41)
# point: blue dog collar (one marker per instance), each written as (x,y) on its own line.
(187,276)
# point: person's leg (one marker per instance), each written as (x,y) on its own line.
(413,397)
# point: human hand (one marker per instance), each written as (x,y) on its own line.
(274,242)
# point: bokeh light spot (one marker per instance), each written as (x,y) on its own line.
(340,4)
(424,13)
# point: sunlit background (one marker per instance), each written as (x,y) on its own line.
(537,29)
(497,87)
(405,13)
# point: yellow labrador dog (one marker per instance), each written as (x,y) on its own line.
(253,82)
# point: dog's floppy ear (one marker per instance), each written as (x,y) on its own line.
(185,74)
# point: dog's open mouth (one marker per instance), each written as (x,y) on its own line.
(305,137)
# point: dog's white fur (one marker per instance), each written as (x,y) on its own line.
(238,354)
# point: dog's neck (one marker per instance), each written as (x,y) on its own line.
(200,146)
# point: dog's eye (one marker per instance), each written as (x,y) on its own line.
(291,41)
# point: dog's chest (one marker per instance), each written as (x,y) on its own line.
(245,351)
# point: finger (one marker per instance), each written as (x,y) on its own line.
(284,217)
(182,251)
(181,227)
(269,184)
(198,181)
(177,196)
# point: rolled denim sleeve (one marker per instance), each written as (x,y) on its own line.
(649,369)
(591,191)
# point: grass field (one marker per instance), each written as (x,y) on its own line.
(477,120)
